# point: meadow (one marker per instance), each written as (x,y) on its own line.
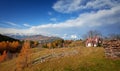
(76,58)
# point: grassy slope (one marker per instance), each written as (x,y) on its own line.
(87,59)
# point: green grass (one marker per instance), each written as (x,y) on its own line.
(87,59)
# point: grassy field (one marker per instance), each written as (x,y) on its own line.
(67,59)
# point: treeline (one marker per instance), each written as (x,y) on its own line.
(57,44)
(9,49)
(33,44)
(9,46)
(14,46)
(112,37)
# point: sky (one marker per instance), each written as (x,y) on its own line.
(68,19)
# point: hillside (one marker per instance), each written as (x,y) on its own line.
(6,38)
(66,59)
(39,38)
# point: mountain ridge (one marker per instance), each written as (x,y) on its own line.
(7,38)
(38,37)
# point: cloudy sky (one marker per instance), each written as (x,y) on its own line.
(63,18)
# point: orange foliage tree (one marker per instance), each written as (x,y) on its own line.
(14,45)
(9,46)
(35,43)
(3,46)
(24,56)
(3,57)
(49,45)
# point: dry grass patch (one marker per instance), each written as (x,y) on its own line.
(74,59)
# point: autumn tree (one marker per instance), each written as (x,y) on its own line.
(15,44)
(49,45)
(23,57)
(59,43)
(3,56)
(12,46)
(35,43)
(45,45)
(55,44)
(3,46)
(9,46)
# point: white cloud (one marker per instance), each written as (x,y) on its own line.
(27,25)
(93,19)
(12,30)
(53,19)
(68,6)
(64,36)
(97,4)
(102,17)
(73,36)
(11,23)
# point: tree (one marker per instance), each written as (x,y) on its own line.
(3,46)
(49,45)
(92,33)
(24,56)
(35,43)
(9,46)
(114,36)
(45,45)
(3,56)
(12,46)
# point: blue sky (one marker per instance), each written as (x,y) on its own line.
(68,19)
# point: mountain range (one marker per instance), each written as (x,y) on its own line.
(39,38)
(7,38)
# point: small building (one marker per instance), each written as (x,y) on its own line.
(93,42)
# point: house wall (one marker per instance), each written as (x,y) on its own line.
(89,45)
(93,42)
